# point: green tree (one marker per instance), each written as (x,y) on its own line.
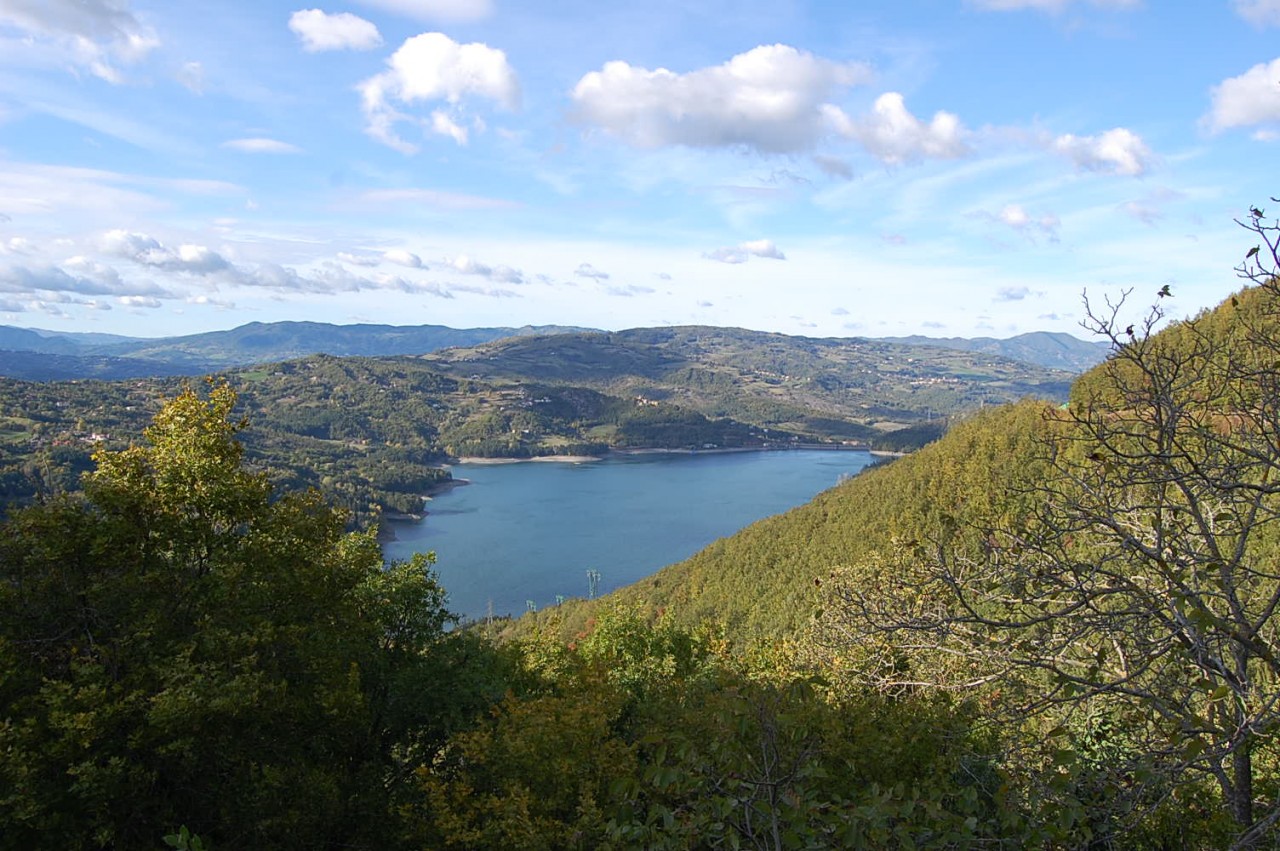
(179,648)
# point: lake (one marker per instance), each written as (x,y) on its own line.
(532,530)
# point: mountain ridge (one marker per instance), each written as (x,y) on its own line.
(115,356)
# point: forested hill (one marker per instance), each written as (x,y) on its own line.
(108,357)
(762,582)
(802,384)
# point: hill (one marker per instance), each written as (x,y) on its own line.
(828,388)
(1043,348)
(259,342)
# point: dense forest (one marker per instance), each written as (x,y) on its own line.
(1058,626)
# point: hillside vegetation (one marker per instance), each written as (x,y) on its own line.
(1098,577)
(835,388)
(1054,627)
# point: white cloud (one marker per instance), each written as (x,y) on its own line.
(1260,13)
(1117,151)
(500,274)
(627,290)
(459,11)
(895,136)
(139,301)
(212,301)
(261,146)
(432,67)
(359,259)
(1015,216)
(77,275)
(442,124)
(403,258)
(330,279)
(94,33)
(1053,6)
(773,98)
(17,245)
(1250,99)
(1012,293)
(148,251)
(319,31)
(586,270)
(743,252)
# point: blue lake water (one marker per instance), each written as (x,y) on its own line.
(531,531)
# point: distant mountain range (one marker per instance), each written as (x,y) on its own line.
(109,357)
(66,355)
(1043,348)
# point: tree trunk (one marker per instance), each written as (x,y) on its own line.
(1242,781)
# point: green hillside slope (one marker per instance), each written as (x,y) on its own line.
(760,583)
(828,388)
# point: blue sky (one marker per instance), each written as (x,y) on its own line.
(947,167)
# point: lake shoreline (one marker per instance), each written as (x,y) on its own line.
(386,531)
(585,459)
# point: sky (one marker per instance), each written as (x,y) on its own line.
(884,167)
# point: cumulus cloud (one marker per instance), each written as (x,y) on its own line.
(470,266)
(77,275)
(432,67)
(1247,100)
(148,251)
(261,146)
(1054,6)
(139,301)
(17,245)
(88,277)
(212,301)
(459,11)
(1260,13)
(402,258)
(95,33)
(743,252)
(319,31)
(895,136)
(1117,151)
(773,98)
(330,279)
